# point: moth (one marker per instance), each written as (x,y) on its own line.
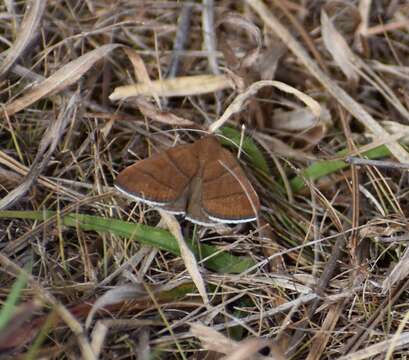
(202,181)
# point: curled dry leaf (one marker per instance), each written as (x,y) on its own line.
(61,79)
(303,124)
(26,33)
(338,48)
(180,86)
(238,103)
(299,119)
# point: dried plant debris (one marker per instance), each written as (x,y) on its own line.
(27,30)
(312,99)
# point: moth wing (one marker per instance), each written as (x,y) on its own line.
(161,179)
(227,194)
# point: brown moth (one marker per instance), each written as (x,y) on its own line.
(202,181)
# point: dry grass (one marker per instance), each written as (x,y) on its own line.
(86,273)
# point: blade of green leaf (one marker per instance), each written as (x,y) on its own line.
(7,310)
(218,260)
(327,167)
(249,147)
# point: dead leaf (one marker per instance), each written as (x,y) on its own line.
(26,33)
(299,119)
(141,73)
(302,124)
(238,103)
(180,86)
(186,254)
(61,79)
(338,48)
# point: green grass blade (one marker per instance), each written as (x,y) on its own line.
(327,167)
(219,261)
(7,310)
(249,147)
